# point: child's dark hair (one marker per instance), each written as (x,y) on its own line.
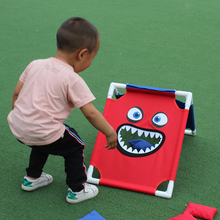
(77,33)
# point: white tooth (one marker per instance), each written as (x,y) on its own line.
(152,134)
(141,151)
(135,151)
(140,132)
(127,128)
(156,145)
(146,133)
(147,150)
(152,148)
(122,143)
(157,135)
(119,139)
(133,130)
(125,147)
(130,149)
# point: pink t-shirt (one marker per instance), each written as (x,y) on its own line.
(50,91)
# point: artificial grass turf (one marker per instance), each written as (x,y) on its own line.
(168,44)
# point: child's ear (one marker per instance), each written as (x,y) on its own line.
(82,53)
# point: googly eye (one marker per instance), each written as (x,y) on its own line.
(135,114)
(160,119)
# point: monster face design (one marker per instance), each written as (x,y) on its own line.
(137,141)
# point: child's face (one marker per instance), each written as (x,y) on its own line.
(88,58)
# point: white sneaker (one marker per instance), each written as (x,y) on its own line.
(88,192)
(31,185)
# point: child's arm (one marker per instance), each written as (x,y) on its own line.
(16,92)
(99,122)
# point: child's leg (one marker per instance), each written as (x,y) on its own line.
(74,160)
(36,163)
(35,177)
(71,147)
(75,169)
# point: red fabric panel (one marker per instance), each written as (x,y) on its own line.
(143,173)
(128,186)
(201,211)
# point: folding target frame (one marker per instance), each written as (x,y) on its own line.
(150,123)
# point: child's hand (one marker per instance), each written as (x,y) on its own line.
(112,141)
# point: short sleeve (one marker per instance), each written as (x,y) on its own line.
(25,73)
(79,93)
(23,76)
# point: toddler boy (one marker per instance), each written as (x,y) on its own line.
(44,97)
